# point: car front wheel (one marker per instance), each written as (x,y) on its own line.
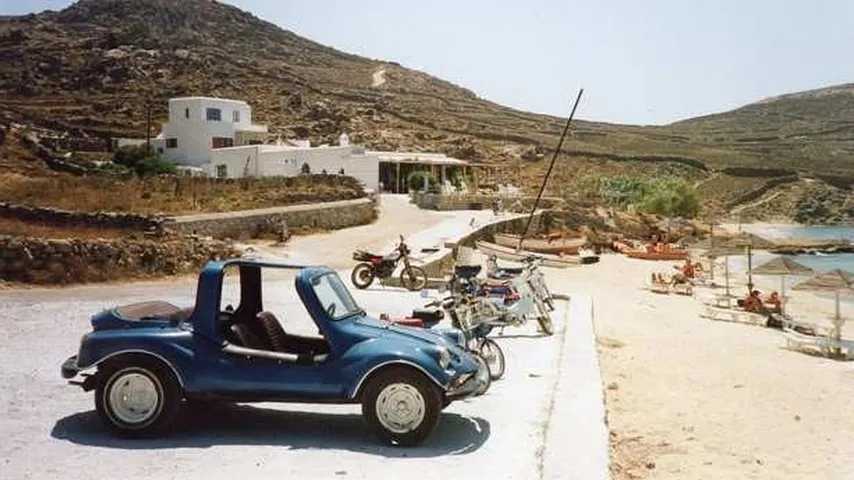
(402,406)
(138,396)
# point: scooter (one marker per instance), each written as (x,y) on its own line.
(373,266)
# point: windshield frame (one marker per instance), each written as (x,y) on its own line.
(341,292)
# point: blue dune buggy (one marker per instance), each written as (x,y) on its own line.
(145,360)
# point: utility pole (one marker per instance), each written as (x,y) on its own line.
(148,126)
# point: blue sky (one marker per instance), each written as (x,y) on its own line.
(642,62)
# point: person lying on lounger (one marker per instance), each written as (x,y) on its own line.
(774,303)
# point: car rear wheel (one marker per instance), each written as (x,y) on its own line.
(138,396)
(401,406)
(362,276)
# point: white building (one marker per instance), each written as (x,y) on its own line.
(218,136)
(199,125)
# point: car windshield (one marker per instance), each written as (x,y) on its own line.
(334,296)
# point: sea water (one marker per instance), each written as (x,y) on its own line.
(818,262)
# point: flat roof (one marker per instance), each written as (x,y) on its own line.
(214,99)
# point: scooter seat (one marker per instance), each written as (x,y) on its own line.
(428,316)
(467,271)
(511,270)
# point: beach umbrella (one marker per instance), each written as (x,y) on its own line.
(836,281)
(725,252)
(750,242)
(783,267)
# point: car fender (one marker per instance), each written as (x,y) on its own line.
(370,357)
(169,347)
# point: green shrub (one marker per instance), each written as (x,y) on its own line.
(668,196)
(416,180)
(142,161)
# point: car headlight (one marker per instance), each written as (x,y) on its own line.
(444,358)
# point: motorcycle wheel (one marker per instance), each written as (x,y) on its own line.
(494,356)
(413,278)
(362,276)
(546,326)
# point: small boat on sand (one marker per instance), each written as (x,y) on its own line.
(513,255)
(554,246)
(663,255)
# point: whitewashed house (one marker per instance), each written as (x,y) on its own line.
(199,125)
(217,136)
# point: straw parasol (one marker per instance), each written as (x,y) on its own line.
(783,267)
(837,281)
(750,242)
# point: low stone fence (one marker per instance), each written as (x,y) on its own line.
(442,262)
(43,261)
(436,201)
(251,223)
(55,216)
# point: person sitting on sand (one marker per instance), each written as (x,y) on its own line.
(753,303)
(687,269)
(775,302)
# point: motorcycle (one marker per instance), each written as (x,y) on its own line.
(373,266)
(502,303)
(531,271)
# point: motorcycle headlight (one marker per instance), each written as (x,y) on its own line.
(444,358)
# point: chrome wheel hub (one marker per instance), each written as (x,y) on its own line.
(134,398)
(400,408)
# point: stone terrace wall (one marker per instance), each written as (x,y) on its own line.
(249,223)
(442,263)
(54,216)
(41,261)
(434,201)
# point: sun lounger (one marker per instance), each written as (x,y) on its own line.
(683,289)
(733,315)
(819,343)
(656,287)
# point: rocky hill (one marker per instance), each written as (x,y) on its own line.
(88,72)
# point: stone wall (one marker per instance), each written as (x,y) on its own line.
(442,263)
(54,216)
(41,261)
(251,223)
(435,201)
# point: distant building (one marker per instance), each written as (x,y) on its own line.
(217,136)
(199,125)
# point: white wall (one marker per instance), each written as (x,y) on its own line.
(195,134)
(268,161)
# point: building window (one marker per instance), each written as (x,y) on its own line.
(222,142)
(214,115)
(159,150)
(236,116)
(171,143)
(222,171)
(187,113)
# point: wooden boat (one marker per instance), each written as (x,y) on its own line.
(513,255)
(666,255)
(542,245)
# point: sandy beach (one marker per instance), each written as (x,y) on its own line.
(691,398)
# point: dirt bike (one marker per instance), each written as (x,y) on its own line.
(373,266)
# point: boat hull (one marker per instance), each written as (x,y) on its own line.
(510,254)
(558,246)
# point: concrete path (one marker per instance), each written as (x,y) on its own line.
(543,420)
